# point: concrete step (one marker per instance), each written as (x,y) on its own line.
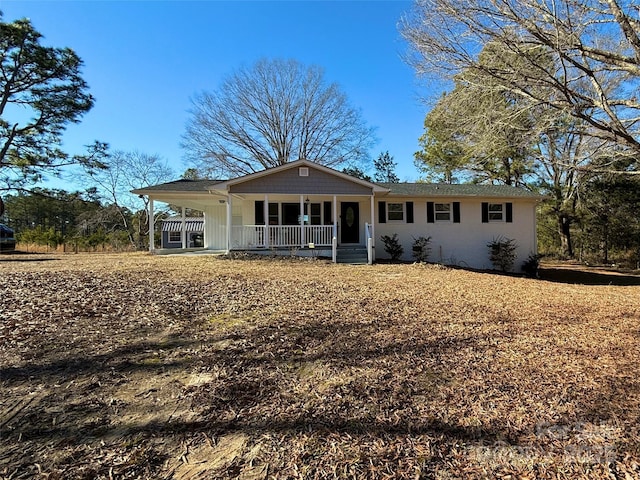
(354,255)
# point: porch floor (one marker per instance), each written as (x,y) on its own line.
(188,251)
(353,254)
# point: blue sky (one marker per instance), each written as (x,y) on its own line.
(144,60)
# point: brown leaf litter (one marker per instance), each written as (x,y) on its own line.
(140,366)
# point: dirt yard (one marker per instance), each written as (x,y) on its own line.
(197,367)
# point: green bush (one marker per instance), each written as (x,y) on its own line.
(392,246)
(421,248)
(502,253)
(531,265)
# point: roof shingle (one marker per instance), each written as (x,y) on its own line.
(457,190)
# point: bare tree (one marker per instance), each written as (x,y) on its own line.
(594,46)
(128,171)
(272,113)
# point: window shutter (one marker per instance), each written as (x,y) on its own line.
(382,212)
(409,207)
(327,213)
(259,205)
(456,212)
(509,212)
(431,212)
(485,212)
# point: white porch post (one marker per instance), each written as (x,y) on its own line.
(183,230)
(302,221)
(152,240)
(228,223)
(335,215)
(373,222)
(266,221)
(205,233)
(334,239)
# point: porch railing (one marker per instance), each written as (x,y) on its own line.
(266,236)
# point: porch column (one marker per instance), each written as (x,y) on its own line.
(228,222)
(302,221)
(265,240)
(205,232)
(334,238)
(335,215)
(373,222)
(152,245)
(183,230)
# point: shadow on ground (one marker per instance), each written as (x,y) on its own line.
(583,277)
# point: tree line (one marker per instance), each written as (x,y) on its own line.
(542,96)
(79,221)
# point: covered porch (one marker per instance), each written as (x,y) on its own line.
(302,221)
(309,224)
(296,205)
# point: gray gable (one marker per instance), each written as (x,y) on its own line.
(289,181)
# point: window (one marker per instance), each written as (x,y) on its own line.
(327,207)
(290,214)
(273,214)
(175,237)
(395,211)
(303,171)
(443,212)
(495,212)
(315,217)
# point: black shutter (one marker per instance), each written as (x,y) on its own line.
(485,212)
(327,213)
(509,212)
(456,212)
(409,212)
(259,212)
(431,213)
(382,212)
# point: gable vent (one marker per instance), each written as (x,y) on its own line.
(303,171)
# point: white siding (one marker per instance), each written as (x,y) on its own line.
(215,227)
(465,243)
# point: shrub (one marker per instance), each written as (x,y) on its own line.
(421,248)
(531,265)
(392,246)
(502,253)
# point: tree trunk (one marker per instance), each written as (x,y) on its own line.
(605,238)
(564,230)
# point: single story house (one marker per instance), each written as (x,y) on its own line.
(179,232)
(312,209)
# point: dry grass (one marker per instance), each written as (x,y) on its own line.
(133,366)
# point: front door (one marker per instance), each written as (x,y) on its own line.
(349,222)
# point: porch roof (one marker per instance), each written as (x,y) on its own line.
(179,186)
